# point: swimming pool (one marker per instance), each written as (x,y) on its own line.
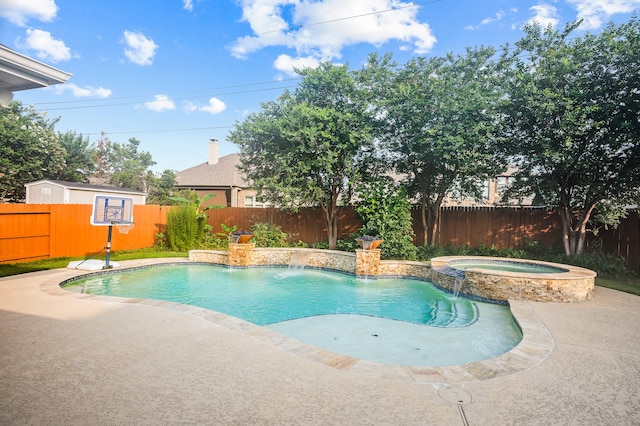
(390,321)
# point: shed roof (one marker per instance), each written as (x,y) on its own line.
(223,174)
(85,186)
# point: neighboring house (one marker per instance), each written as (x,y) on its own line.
(492,191)
(219,176)
(19,72)
(61,192)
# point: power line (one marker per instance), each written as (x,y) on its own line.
(165,100)
(377,12)
(192,129)
(197,90)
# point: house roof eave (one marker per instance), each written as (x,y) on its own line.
(19,72)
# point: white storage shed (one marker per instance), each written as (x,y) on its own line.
(61,192)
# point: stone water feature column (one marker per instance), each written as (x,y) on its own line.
(367,263)
(240,254)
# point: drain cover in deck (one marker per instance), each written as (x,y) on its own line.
(457,396)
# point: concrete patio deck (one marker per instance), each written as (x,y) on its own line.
(66,360)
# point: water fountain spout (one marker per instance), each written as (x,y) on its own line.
(299,260)
(457,286)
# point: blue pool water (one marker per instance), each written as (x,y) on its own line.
(503,265)
(319,307)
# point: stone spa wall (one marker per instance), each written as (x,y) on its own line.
(571,285)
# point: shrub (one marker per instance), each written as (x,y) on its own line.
(593,258)
(160,241)
(211,241)
(268,235)
(385,212)
(599,262)
(495,251)
(182,228)
(425,253)
(348,243)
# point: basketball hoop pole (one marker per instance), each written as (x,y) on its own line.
(106,263)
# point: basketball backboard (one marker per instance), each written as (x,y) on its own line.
(110,210)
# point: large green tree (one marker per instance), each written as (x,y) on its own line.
(574,122)
(125,166)
(132,168)
(437,120)
(79,158)
(307,148)
(29,150)
(162,188)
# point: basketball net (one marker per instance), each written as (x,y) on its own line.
(124,228)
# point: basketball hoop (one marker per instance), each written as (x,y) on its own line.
(124,228)
(112,211)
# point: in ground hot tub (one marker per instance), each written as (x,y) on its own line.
(501,279)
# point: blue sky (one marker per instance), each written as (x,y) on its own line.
(174,73)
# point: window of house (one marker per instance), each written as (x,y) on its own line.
(45,191)
(484,189)
(502,184)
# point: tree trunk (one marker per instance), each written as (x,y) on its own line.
(574,228)
(431,218)
(331,220)
(425,227)
(332,231)
(431,225)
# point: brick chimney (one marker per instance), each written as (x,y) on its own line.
(213,151)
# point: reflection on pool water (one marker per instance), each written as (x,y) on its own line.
(391,321)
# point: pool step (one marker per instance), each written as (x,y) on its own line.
(453,312)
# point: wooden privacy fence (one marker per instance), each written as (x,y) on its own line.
(40,231)
(502,227)
(624,241)
(306,225)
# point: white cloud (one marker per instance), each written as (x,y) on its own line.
(597,12)
(286,63)
(82,92)
(187,5)
(216,106)
(499,15)
(190,106)
(319,29)
(19,11)
(486,21)
(160,103)
(46,47)
(544,15)
(140,49)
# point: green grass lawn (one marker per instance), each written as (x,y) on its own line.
(628,284)
(62,262)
